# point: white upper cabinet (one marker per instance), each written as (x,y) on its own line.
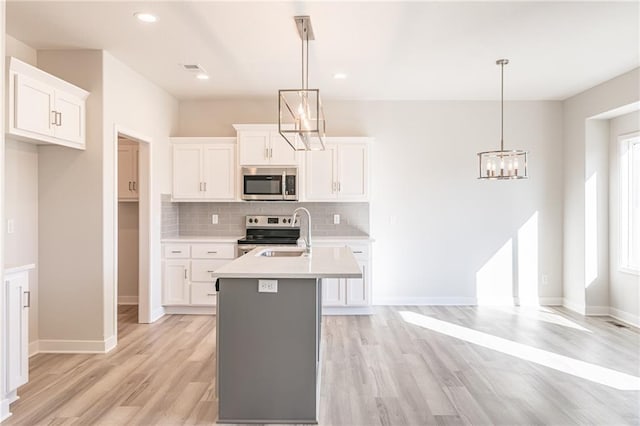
(262,145)
(127,172)
(43,108)
(204,169)
(340,172)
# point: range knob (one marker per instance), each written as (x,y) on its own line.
(250,220)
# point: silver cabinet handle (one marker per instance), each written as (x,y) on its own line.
(28,305)
(211,294)
(129,185)
(134,186)
(270,152)
(54,118)
(176,251)
(357,252)
(59,122)
(211,272)
(339,187)
(212,252)
(185,274)
(266,153)
(333,187)
(205,187)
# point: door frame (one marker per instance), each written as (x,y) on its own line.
(145,223)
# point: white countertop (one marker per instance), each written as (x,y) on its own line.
(19,268)
(197,239)
(325,262)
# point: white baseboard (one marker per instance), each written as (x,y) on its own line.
(422,301)
(127,300)
(550,301)
(34,348)
(596,311)
(110,343)
(190,310)
(4,409)
(350,310)
(76,346)
(156,314)
(626,317)
(577,308)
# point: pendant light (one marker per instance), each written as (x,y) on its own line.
(301,119)
(494,165)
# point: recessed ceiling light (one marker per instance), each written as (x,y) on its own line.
(145,17)
(339,76)
(202,76)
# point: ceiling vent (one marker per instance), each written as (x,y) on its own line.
(193,68)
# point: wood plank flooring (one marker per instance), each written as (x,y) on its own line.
(400,366)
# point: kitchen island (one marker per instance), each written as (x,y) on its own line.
(268,332)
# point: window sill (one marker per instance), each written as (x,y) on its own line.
(630,271)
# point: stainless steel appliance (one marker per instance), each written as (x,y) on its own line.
(270,183)
(268,230)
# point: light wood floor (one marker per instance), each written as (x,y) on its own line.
(400,366)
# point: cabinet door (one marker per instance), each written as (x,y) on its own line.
(357,292)
(204,270)
(320,174)
(219,172)
(70,125)
(333,292)
(254,148)
(175,281)
(280,152)
(34,106)
(353,171)
(17,330)
(126,182)
(187,178)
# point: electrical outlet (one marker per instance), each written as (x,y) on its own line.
(10,226)
(545,280)
(336,219)
(267,286)
(214,219)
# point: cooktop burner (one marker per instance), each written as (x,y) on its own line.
(271,230)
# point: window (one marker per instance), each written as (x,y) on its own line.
(630,203)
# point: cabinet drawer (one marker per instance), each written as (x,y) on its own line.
(213,251)
(176,251)
(203,294)
(359,251)
(203,270)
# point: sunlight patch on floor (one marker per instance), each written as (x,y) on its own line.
(541,314)
(585,370)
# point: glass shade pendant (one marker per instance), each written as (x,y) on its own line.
(502,164)
(301,120)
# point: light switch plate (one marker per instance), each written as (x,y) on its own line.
(214,219)
(336,219)
(10,226)
(267,286)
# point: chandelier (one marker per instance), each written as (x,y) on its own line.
(301,119)
(502,164)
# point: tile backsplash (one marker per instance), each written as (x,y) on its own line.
(194,219)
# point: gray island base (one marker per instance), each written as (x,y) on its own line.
(268,334)
(268,349)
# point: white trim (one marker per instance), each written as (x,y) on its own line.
(626,317)
(596,311)
(550,301)
(580,309)
(347,310)
(417,301)
(77,346)
(4,409)
(190,310)
(127,300)
(34,348)
(156,314)
(110,343)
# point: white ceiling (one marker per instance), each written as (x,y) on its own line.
(390,50)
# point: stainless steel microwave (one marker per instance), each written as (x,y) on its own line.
(270,183)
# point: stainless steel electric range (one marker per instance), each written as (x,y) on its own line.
(268,230)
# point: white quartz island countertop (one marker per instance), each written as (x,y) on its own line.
(324,262)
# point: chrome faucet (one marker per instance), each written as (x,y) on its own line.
(301,241)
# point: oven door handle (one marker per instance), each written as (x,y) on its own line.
(284,185)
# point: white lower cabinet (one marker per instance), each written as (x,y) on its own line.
(16,311)
(189,273)
(348,292)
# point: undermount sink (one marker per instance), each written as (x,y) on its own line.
(281,253)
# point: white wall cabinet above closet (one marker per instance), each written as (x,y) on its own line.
(43,108)
(127,172)
(262,145)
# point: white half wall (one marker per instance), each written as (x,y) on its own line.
(624,287)
(438,229)
(584,154)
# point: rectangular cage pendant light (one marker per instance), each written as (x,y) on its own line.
(301,120)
